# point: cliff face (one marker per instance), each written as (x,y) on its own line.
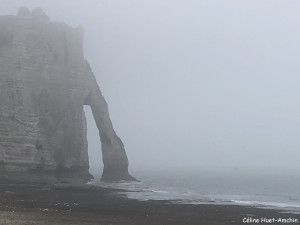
(44,84)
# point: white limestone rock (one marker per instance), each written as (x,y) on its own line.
(44,83)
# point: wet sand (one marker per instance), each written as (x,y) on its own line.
(86,205)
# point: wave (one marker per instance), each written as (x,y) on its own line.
(295,208)
(149,190)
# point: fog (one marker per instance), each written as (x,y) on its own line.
(192,85)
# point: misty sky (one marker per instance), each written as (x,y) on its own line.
(193,84)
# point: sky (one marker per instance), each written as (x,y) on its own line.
(192,85)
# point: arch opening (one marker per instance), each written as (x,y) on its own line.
(94,144)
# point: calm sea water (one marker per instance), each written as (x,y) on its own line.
(278,191)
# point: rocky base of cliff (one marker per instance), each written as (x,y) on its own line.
(35,177)
(112,174)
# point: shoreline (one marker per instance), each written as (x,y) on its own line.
(87,205)
(139,194)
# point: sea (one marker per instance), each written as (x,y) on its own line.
(280,191)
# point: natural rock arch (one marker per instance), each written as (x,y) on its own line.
(44,84)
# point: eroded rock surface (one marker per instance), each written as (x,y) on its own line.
(44,84)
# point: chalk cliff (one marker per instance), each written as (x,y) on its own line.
(44,84)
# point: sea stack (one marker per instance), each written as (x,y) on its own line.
(44,84)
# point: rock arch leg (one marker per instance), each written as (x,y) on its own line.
(113,152)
